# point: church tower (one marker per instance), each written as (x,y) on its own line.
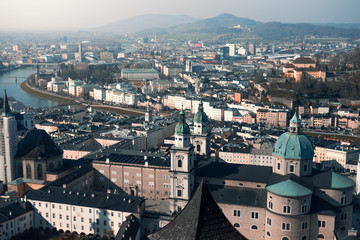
(182,166)
(201,136)
(8,143)
(293,151)
(148,114)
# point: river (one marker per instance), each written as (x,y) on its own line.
(13,88)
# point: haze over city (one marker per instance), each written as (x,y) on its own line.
(82,14)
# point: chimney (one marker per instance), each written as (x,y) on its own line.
(10,213)
(64,185)
(107,160)
(108,190)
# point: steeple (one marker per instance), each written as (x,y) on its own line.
(6,112)
(295,124)
(182,132)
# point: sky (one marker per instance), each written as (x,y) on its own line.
(82,14)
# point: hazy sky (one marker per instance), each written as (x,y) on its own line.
(74,14)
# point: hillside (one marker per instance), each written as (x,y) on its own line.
(148,21)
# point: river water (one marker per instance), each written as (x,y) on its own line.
(13,79)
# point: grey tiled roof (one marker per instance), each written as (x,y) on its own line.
(200,219)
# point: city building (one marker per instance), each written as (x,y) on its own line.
(139,74)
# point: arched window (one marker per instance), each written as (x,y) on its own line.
(254,227)
(285,238)
(270,205)
(303,238)
(28,171)
(268,233)
(40,172)
(20,170)
(343,200)
(321,236)
(236,225)
(51,166)
(179,163)
(198,148)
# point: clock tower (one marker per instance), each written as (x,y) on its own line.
(182,166)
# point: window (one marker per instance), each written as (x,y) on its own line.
(270,205)
(303,238)
(53,215)
(321,236)
(321,224)
(255,215)
(90,220)
(278,166)
(74,219)
(151,175)
(286,209)
(89,210)
(254,227)
(268,221)
(343,216)
(268,233)
(304,208)
(303,225)
(113,172)
(126,173)
(236,225)
(305,170)
(179,193)
(138,182)
(343,200)
(112,224)
(47,214)
(104,223)
(285,238)
(151,184)
(67,217)
(236,213)
(82,219)
(285,226)
(179,163)
(60,216)
(138,174)
(292,168)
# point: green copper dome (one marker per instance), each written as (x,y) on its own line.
(293,146)
(200,116)
(289,188)
(182,128)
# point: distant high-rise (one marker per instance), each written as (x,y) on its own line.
(224,53)
(80,53)
(232,49)
(188,67)
(8,142)
(252,49)
(65,39)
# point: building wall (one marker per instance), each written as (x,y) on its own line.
(18,225)
(142,181)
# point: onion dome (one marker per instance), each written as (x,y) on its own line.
(200,116)
(182,128)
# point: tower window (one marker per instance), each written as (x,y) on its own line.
(343,200)
(292,168)
(270,205)
(304,208)
(179,163)
(278,166)
(286,209)
(285,226)
(179,193)
(305,168)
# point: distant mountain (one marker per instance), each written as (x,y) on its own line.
(277,30)
(340,25)
(221,21)
(141,22)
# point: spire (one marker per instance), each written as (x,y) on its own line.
(6,108)
(200,116)
(295,124)
(182,128)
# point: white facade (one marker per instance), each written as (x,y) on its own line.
(17,225)
(118,97)
(99,94)
(8,148)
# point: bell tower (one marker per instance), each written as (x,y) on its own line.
(182,166)
(201,136)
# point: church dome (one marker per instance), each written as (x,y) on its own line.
(182,128)
(294,144)
(200,116)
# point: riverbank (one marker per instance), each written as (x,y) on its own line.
(68,100)
(9,69)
